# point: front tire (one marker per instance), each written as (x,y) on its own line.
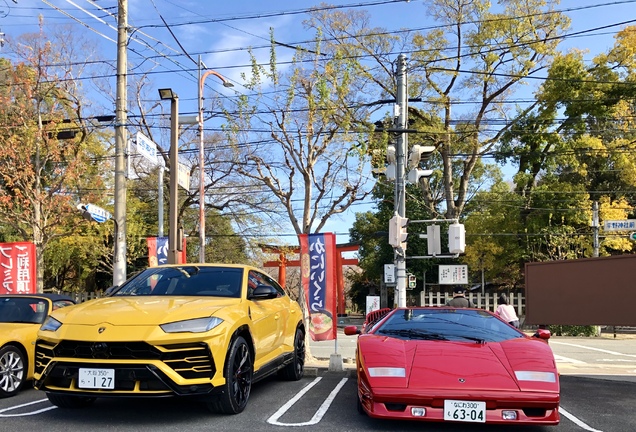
(12,370)
(238,379)
(71,402)
(296,369)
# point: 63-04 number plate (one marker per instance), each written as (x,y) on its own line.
(96,379)
(465,411)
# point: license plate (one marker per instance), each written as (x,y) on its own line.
(465,411)
(96,379)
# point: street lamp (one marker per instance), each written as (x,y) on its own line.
(226,83)
(173,249)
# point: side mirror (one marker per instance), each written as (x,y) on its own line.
(110,291)
(542,334)
(351,330)
(263,292)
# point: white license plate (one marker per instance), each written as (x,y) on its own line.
(96,379)
(465,411)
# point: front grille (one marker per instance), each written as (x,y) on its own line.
(107,350)
(191,361)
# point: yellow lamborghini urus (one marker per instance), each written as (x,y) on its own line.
(201,330)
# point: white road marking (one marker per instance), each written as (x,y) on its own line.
(593,349)
(2,411)
(319,413)
(578,422)
(561,359)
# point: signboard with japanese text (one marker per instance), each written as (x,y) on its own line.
(453,274)
(158,251)
(18,264)
(146,148)
(373,304)
(389,274)
(619,225)
(318,277)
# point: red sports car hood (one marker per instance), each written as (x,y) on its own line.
(450,365)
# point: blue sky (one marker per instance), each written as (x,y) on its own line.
(206,28)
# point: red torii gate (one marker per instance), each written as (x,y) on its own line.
(282,263)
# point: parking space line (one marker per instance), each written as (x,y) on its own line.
(593,349)
(578,422)
(2,411)
(319,413)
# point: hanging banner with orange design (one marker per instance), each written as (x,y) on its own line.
(18,263)
(318,278)
(158,251)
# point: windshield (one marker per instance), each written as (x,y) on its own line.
(23,310)
(459,325)
(186,280)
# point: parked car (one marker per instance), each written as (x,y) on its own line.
(21,315)
(203,330)
(454,365)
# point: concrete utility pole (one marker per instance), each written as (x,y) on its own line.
(400,192)
(121,119)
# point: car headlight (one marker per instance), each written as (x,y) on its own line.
(198,325)
(535,376)
(51,324)
(387,372)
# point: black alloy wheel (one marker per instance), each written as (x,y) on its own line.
(238,382)
(296,369)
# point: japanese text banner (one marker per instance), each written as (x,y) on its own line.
(17,261)
(318,277)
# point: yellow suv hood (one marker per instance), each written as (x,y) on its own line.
(142,311)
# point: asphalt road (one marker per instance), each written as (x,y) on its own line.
(598,393)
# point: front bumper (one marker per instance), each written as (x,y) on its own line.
(140,369)
(532,408)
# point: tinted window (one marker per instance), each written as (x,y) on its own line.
(446,324)
(23,310)
(258,278)
(186,280)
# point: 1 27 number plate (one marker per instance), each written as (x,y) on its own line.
(96,379)
(465,411)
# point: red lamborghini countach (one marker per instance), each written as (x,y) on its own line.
(454,365)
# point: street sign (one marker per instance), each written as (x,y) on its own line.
(620,225)
(147,148)
(632,235)
(453,274)
(96,213)
(389,274)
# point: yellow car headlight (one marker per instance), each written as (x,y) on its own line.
(198,325)
(51,324)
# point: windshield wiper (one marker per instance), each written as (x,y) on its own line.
(471,338)
(414,334)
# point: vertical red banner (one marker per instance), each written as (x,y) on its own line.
(158,251)
(18,265)
(318,278)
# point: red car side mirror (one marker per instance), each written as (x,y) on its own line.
(351,330)
(542,334)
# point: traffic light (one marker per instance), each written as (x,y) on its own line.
(412,281)
(419,153)
(397,231)
(456,238)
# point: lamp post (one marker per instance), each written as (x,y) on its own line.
(226,83)
(173,249)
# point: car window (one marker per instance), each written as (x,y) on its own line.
(23,310)
(256,278)
(186,280)
(446,324)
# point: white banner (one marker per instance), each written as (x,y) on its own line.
(453,274)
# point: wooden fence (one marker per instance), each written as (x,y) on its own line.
(486,301)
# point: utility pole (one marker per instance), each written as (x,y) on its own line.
(595,228)
(400,191)
(121,119)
